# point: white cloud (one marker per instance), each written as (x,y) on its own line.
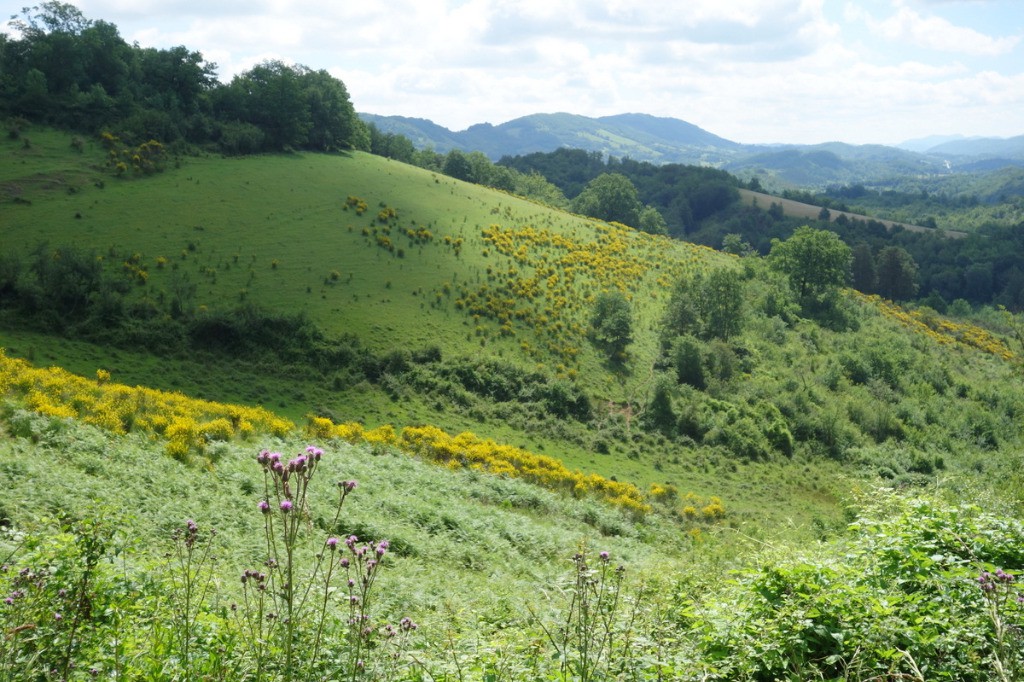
(937,33)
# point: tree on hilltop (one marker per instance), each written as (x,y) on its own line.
(294,107)
(457,166)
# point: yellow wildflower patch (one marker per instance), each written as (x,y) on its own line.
(939,329)
(468,451)
(187,423)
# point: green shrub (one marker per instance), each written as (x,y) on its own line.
(687,360)
(910,599)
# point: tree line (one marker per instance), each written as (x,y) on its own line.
(983,268)
(60,68)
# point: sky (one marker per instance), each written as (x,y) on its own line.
(752,71)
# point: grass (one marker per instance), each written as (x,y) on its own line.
(804,494)
(477,558)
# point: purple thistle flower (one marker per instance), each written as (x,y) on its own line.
(332,543)
(286,506)
(351,541)
(57,616)
(604,556)
(344,562)
(264,506)
(314,452)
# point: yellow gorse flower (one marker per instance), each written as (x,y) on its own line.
(187,424)
(468,451)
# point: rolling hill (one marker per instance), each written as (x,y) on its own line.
(457,320)
(359,244)
(638,136)
(438,301)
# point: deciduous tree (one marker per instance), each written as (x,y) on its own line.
(611,323)
(611,197)
(817,262)
(897,274)
(864,276)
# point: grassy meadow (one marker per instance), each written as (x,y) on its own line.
(828,499)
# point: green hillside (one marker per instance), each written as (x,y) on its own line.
(440,302)
(277,409)
(281,231)
(332,289)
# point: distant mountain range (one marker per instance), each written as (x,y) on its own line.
(668,140)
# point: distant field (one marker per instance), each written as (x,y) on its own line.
(801,210)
